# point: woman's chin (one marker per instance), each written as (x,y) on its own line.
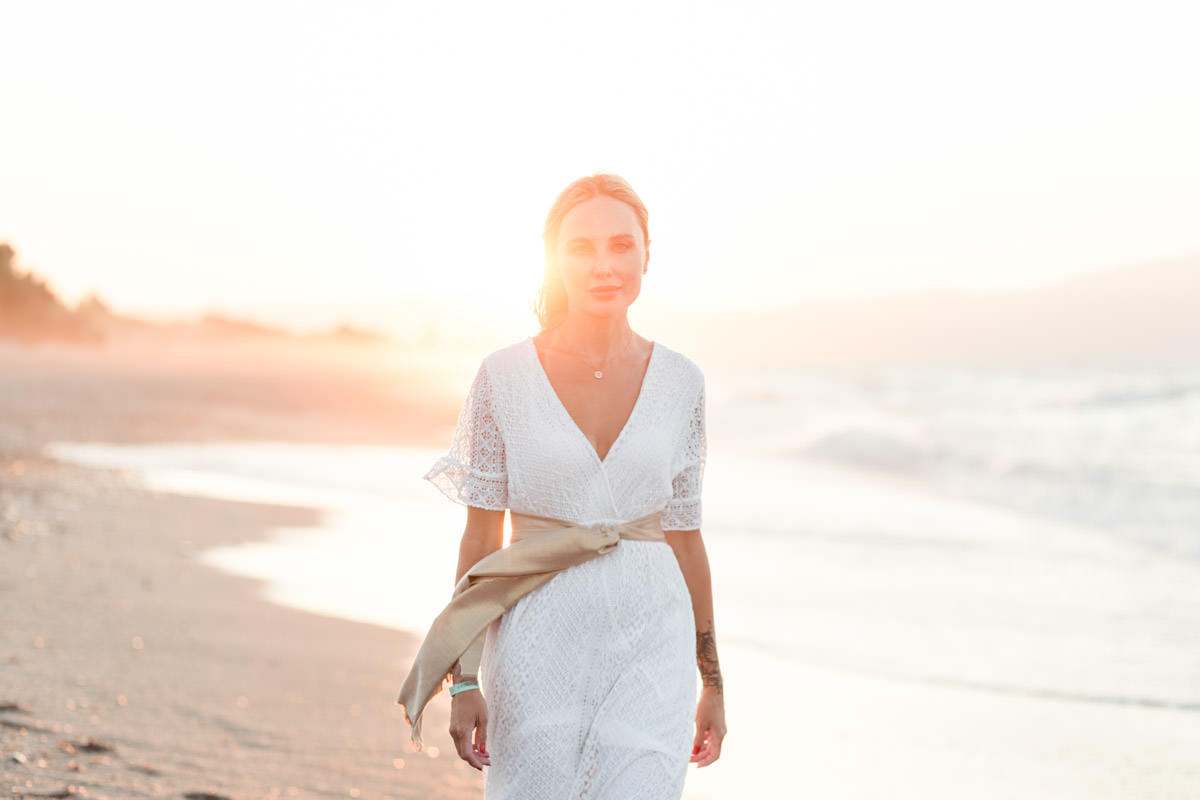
(615,306)
(606,310)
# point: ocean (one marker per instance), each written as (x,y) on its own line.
(929,582)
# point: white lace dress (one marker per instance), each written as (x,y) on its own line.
(590,680)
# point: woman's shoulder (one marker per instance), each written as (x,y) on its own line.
(679,367)
(507,359)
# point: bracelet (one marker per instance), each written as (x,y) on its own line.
(463,686)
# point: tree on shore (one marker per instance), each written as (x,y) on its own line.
(30,311)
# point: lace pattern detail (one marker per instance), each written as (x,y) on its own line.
(474,472)
(683,510)
(682,514)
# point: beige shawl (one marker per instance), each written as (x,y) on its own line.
(541,548)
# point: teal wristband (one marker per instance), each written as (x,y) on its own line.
(464,686)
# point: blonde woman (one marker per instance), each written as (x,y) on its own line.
(600,612)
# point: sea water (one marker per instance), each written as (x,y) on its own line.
(928,582)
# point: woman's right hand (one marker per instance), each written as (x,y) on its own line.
(468,728)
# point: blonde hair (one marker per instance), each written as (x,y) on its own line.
(551,302)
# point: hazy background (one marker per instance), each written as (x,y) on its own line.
(388,165)
(940,263)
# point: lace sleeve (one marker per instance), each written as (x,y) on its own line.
(683,510)
(473,472)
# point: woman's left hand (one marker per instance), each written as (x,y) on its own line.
(710,726)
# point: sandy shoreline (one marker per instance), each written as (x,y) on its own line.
(127,668)
(180,678)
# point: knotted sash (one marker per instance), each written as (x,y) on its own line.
(541,548)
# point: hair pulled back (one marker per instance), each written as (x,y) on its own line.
(551,303)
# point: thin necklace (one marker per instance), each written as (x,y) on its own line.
(597,369)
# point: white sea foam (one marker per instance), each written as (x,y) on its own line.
(1117,450)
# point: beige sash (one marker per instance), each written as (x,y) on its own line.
(541,548)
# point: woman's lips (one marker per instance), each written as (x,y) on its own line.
(604,291)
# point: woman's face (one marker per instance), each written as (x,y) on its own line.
(601,256)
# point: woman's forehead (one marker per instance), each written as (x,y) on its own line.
(601,217)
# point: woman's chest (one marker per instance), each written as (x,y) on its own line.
(593,439)
(599,409)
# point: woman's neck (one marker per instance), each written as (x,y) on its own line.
(595,338)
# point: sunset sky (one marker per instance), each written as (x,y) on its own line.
(378,162)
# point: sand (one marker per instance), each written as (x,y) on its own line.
(130,670)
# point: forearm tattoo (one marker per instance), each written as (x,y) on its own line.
(706,658)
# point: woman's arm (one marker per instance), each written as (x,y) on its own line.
(483,535)
(710,713)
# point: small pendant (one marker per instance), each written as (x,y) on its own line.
(597,374)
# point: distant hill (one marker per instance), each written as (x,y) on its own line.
(1147,313)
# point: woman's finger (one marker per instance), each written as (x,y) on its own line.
(468,754)
(712,749)
(709,750)
(699,739)
(700,745)
(481,742)
(710,753)
(462,743)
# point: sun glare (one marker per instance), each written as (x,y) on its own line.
(316,176)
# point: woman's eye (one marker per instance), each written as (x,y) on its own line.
(579,249)
(621,247)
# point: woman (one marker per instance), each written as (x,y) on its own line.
(588,678)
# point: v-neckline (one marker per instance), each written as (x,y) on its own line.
(541,370)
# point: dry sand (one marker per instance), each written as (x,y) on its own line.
(127,668)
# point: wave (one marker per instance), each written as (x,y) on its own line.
(992,687)
(1122,397)
(877,449)
(1157,505)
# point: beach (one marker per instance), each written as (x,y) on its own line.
(937,265)
(195,611)
(129,669)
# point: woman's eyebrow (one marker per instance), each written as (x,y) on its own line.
(614,238)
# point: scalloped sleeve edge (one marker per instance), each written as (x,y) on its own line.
(468,486)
